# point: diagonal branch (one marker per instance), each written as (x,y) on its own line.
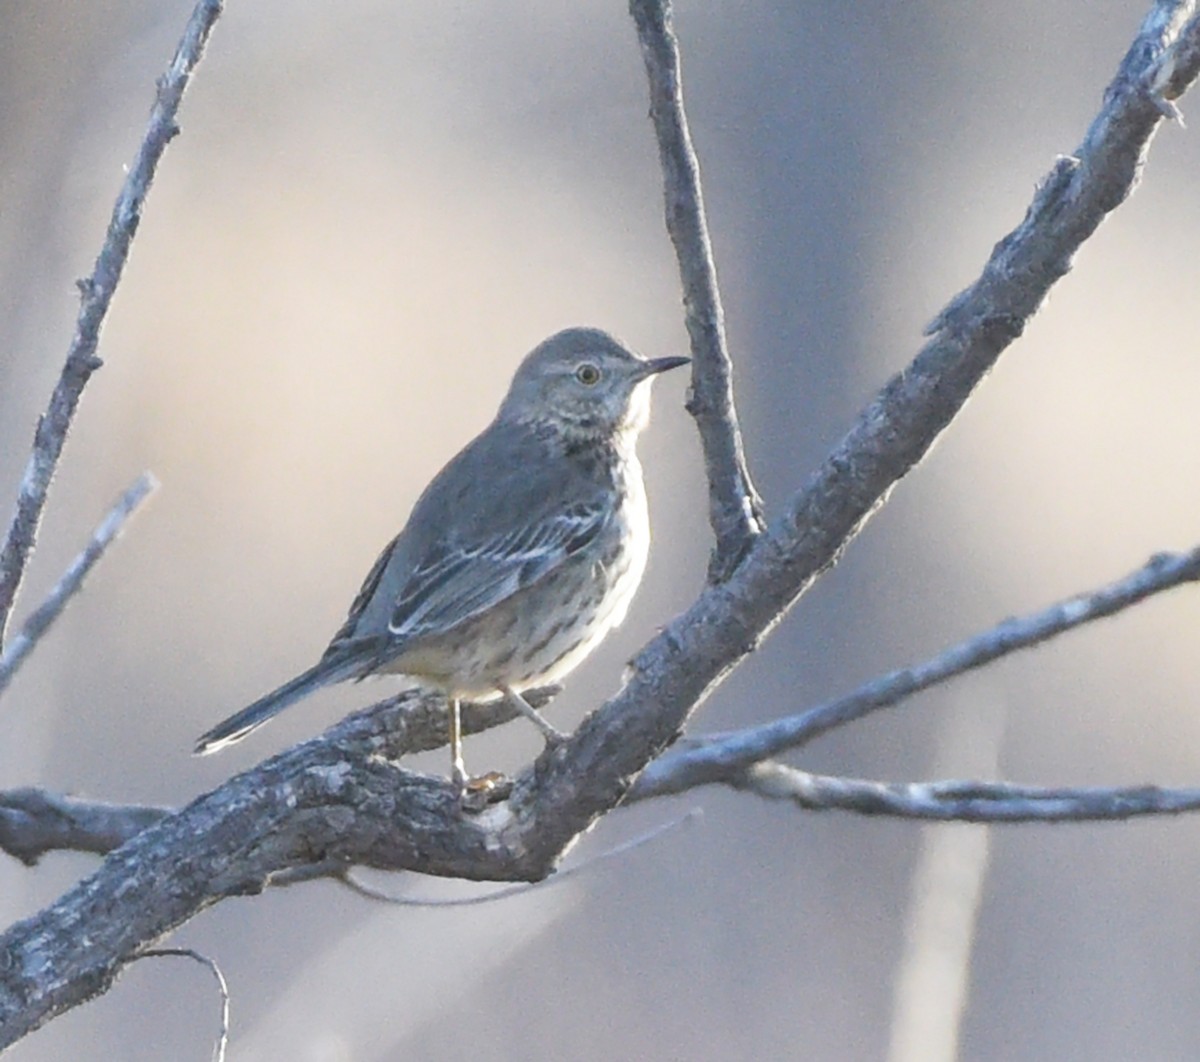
(41,619)
(1177,68)
(97,292)
(734,508)
(725,757)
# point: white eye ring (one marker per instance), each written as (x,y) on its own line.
(587,374)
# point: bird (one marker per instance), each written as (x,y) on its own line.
(520,555)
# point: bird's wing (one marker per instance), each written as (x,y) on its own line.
(463,580)
(451,563)
(363,597)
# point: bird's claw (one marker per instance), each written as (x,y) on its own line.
(477,793)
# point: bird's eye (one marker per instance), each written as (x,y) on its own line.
(587,374)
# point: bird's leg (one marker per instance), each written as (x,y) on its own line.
(474,794)
(552,734)
(458,771)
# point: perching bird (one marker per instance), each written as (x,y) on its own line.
(519,557)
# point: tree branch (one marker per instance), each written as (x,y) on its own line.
(957,801)
(724,758)
(40,621)
(96,295)
(734,507)
(336,800)
(340,799)
(33,822)
(1177,67)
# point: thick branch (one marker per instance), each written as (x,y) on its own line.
(97,292)
(734,508)
(335,800)
(34,821)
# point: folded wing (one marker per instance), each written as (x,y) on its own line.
(462,581)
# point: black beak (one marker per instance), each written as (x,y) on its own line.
(656,365)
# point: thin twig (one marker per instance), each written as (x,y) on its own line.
(40,621)
(722,757)
(97,292)
(222,1044)
(734,508)
(964,801)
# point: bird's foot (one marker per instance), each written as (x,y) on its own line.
(475,794)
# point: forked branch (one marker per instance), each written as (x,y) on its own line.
(341,799)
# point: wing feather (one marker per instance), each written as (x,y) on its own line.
(461,582)
(364,595)
(449,565)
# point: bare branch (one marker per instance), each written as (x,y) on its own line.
(734,508)
(959,801)
(724,757)
(40,621)
(339,799)
(222,1044)
(96,295)
(336,799)
(1179,63)
(678,668)
(1082,188)
(34,822)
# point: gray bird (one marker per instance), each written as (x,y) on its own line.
(520,555)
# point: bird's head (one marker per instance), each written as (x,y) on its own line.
(586,381)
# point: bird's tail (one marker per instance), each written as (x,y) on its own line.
(238,725)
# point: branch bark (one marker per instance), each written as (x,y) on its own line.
(734,507)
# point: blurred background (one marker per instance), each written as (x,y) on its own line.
(374,210)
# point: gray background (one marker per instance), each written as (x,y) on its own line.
(373,211)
